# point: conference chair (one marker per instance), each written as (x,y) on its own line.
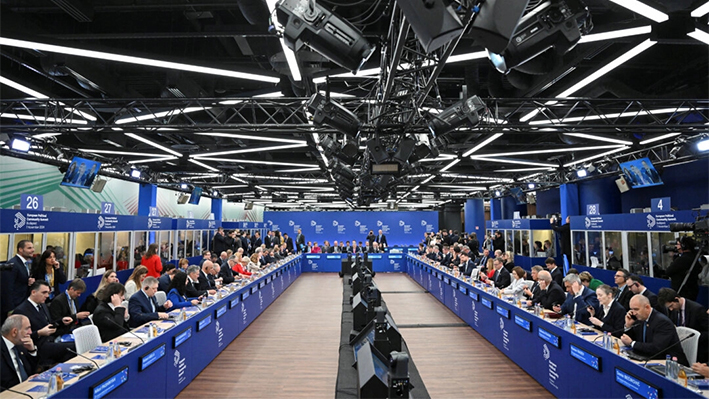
(161,297)
(690,345)
(86,338)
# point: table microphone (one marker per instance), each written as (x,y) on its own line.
(17,392)
(660,352)
(616,331)
(126,330)
(85,357)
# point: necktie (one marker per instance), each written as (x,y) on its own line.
(41,312)
(680,319)
(72,305)
(644,330)
(28,265)
(152,303)
(21,367)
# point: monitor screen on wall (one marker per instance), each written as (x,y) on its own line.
(81,173)
(196,194)
(518,195)
(640,173)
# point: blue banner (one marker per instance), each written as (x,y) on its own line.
(400,228)
(518,224)
(632,221)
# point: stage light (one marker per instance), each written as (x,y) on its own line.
(404,150)
(457,115)
(556,26)
(324,32)
(20,145)
(703,145)
(531,186)
(434,22)
(581,173)
(377,151)
(495,23)
(330,113)
(135,173)
(498,193)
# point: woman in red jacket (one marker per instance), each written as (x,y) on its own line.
(240,269)
(152,261)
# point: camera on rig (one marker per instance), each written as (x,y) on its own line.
(699,229)
(670,246)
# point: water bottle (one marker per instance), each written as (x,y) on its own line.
(109,353)
(668,365)
(675,368)
(52,383)
(183,314)
(568,322)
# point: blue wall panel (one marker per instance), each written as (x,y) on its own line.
(548,202)
(400,228)
(603,192)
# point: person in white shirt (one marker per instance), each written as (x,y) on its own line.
(518,283)
(19,355)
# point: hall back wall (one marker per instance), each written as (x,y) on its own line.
(400,228)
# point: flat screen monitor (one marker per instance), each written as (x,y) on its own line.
(81,173)
(196,195)
(518,195)
(640,173)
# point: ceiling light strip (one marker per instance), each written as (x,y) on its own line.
(483,144)
(450,165)
(600,138)
(701,10)
(549,151)
(254,137)
(643,9)
(150,160)
(699,35)
(135,60)
(616,34)
(164,114)
(204,165)
(595,156)
(153,144)
(660,137)
(248,150)
(512,161)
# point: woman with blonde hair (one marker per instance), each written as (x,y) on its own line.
(92,300)
(135,281)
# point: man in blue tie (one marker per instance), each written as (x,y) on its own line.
(16,282)
(143,306)
(483,259)
(19,355)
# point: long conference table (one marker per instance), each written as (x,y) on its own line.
(568,365)
(163,366)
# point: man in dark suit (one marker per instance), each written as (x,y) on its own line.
(636,285)
(550,293)
(289,243)
(655,336)
(382,240)
(555,272)
(203,280)
(256,240)
(143,306)
(533,291)
(578,299)
(110,316)
(219,241)
(268,239)
(611,315)
(19,354)
(192,289)
(687,313)
(498,243)
(509,259)
(16,282)
(300,241)
(225,271)
(466,265)
(165,280)
(682,265)
(66,305)
(446,257)
(565,233)
(43,331)
(623,294)
(483,259)
(501,278)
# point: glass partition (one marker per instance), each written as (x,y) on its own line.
(123,248)
(524,239)
(165,245)
(35,238)
(141,239)
(205,242)
(543,243)
(5,251)
(61,243)
(181,240)
(660,259)
(509,240)
(197,243)
(189,243)
(84,257)
(596,253)
(580,254)
(613,250)
(106,242)
(638,260)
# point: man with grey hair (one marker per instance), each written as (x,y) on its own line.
(143,306)
(578,300)
(226,273)
(19,355)
(192,290)
(550,293)
(205,282)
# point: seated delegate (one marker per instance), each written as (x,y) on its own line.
(550,293)
(143,306)
(611,314)
(110,316)
(178,290)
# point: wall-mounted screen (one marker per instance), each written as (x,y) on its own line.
(81,173)
(196,195)
(640,173)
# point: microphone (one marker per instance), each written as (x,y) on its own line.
(675,344)
(616,331)
(126,330)
(82,356)
(17,392)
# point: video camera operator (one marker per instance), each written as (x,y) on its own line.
(678,269)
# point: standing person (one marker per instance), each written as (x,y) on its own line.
(300,241)
(474,245)
(219,241)
(256,240)
(152,261)
(289,242)
(382,240)
(16,282)
(371,238)
(499,241)
(565,232)
(49,270)
(681,266)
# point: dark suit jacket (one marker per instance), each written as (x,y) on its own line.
(502,278)
(511,264)
(587,298)
(651,297)
(558,276)
(220,244)
(382,239)
(482,261)
(660,333)
(446,259)
(466,268)
(15,281)
(164,283)
(614,321)
(103,317)
(226,274)
(289,244)
(140,310)
(696,317)
(38,320)
(60,308)
(624,297)
(8,375)
(192,290)
(535,290)
(299,241)
(205,283)
(551,296)
(256,242)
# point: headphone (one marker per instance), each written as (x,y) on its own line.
(686,243)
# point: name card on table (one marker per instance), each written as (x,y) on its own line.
(584,357)
(333,257)
(487,303)
(502,311)
(463,289)
(524,323)
(109,384)
(151,357)
(180,338)
(549,337)
(636,385)
(374,257)
(220,312)
(254,289)
(473,295)
(446,280)
(245,295)
(234,302)
(204,323)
